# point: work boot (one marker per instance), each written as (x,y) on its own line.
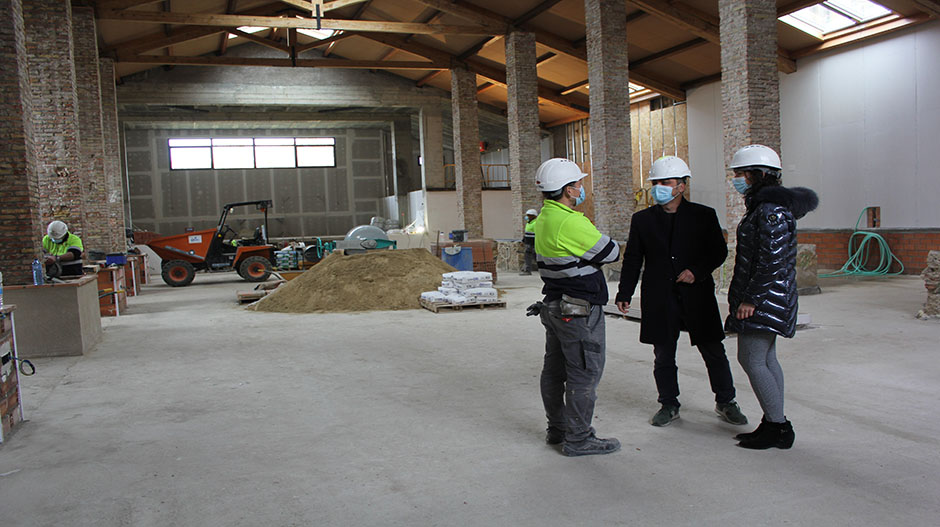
(773,435)
(757,431)
(731,413)
(666,415)
(591,446)
(525,273)
(554,436)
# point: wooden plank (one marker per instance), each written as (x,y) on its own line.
(327,41)
(259,40)
(298,23)
(437,307)
(339,4)
(278,63)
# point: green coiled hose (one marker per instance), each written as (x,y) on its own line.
(857,264)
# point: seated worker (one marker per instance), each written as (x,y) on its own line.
(63,247)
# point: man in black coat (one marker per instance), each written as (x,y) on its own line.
(682,244)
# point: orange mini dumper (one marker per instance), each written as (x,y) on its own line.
(213,250)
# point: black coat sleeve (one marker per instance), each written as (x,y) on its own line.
(632,263)
(716,248)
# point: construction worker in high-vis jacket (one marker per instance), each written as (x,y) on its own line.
(528,241)
(62,248)
(570,252)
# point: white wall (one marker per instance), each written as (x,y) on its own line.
(497,210)
(860,125)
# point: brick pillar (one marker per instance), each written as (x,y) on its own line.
(750,90)
(20,225)
(407,166)
(523,116)
(432,147)
(48,25)
(110,136)
(611,155)
(97,234)
(463,94)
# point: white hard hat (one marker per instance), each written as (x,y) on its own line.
(57,230)
(669,167)
(755,156)
(556,173)
(531,212)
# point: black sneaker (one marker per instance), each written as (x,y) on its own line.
(731,413)
(591,446)
(554,436)
(666,415)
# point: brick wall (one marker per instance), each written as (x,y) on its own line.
(20,225)
(48,27)
(111,142)
(466,151)
(96,235)
(908,245)
(523,120)
(611,153)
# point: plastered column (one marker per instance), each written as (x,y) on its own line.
(611,154)
(463,95)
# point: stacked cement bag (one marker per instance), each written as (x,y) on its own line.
(464,287)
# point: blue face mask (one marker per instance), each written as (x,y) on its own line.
(740,184)
(662,194)
(580,199)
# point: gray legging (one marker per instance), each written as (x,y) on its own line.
(757,354)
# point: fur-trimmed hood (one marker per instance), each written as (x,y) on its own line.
(798,200)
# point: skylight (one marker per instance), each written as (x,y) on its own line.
(833,15)
(248,29)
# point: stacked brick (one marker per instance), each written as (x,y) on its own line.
(523,120)
(97,234)
(611,153)
(931,276)
(19,184)
(112,161)
(750,90)
(48,26)
(466,151)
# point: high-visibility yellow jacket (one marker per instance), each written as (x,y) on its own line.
(71,267)
(570,251)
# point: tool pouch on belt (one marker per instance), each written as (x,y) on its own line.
(574,307)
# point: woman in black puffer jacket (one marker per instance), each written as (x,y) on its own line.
(762,297)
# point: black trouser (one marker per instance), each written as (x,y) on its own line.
(573,365)
(530,264)
(667,374)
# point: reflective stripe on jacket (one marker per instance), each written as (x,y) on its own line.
(570,251)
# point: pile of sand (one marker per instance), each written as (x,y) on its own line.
(376,280)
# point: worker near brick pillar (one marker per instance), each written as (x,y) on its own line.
(762,297)
(570,252)
(528,241)
(681,244)
(62,249)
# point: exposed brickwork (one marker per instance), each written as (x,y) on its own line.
(19,185)
(97,234)
(48,25)
(463,95)
(750,90)
(432,144)
(112,154)
(611,155)
(523,117)
(909,245)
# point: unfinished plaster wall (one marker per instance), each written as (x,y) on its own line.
(307,201)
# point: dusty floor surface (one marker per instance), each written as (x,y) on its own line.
(194,411)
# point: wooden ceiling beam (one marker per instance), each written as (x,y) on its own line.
(868,32)
(284,63)
(666,53)
(339,4)
(574,87)
(546,93)
(259,40)
(302,4)
(485,87)
(325,42)
(701,25)
(223,43)
(287,22)
(118,5)
(427,78)
(931,7)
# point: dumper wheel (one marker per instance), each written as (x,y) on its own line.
(178,273)
(255,269)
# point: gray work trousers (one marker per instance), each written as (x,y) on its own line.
(574,362)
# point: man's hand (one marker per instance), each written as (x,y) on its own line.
(623,307)
(745,310)
(686,277)
(50,259)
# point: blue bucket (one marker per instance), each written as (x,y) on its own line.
(460,258)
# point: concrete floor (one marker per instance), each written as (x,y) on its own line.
(193,411)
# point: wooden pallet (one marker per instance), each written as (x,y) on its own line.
(437,307)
